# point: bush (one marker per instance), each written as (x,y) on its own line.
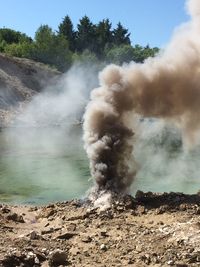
(120,54)
(20,50)
(86,57)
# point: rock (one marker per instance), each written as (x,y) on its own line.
(41,256)
(65,235)
(71,227)
(15,217)
(181,264)
(30,254)
(10,260)
(103,247)
(197,211)
(50,213)
(17,258)
(37,261)
(139,194)
(182,207)
(34,235)
(5,210)
(45,264)
(162,209)
(141,209)
(58,257)
(47,231)
(86,239)
(138,248)
(104,233)
(170,262)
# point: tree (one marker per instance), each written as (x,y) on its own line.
(121,36)
(65,28)
(142,53)
(51,48)
(104,36)
(43,35)
(11,36)
(86,35)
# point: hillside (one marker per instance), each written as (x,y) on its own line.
(20,79)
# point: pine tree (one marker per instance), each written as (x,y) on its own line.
(104,35)
(86,35)
(121,35)
(65,28)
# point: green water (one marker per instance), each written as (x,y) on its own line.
(42,165)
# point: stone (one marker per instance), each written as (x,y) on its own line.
(86,239)
(141,209)
(103,247)
(58,257)
(34,235)
(104,233)
(15,217)
(41,256)
(65,235)
(71,227)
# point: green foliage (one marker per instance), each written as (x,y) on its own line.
(126,53)
(142,53)
(51,49)
(90,43)
(2,46)
(120,54)
(65,28)
(86,57)
(104,36)
(11,36)
(86,35)
(24,49)
(121,36)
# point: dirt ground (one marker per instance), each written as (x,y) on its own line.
(148,230)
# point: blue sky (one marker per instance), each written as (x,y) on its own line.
(149,21)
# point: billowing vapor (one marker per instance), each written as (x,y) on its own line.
(167,87)
(41,153)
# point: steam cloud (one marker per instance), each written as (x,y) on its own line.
(167,86)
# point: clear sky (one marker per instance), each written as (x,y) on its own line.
(149,21)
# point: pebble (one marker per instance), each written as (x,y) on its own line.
(103,247)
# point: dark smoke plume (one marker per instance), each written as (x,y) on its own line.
(167,86)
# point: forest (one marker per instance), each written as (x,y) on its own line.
(87,42)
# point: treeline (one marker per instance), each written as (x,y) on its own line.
(88,43)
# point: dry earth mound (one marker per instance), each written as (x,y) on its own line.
(20,79)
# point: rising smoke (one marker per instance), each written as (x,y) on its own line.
(167,87)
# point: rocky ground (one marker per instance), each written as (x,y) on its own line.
(148,230)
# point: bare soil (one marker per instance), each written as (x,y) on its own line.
(148,230)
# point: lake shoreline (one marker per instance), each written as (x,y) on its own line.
(146,230)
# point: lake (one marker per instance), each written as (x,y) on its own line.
(42,165)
